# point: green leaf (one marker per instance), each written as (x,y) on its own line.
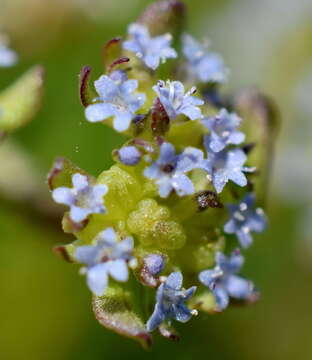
(115,311)
(20,102)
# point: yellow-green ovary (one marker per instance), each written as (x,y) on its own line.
(152,225)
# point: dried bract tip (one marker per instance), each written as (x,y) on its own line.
(84,86)
(62,252)
(160,119)
(207,199)
(111,51)
(119,61)
(168,332)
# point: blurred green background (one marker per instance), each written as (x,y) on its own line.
(45,310)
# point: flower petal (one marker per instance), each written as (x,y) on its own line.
(216,144)
(235,262)
(80,181)
(63,195)
(156,319)
(244,237)
(189,292)
(222,298)
(97,279)
(99,112)
(106,88)
(230,227)
(182,185)
(107,236)
(190,159)
(78,214)
(99,191)
(191,112)
(174,280)
(122,121)
(167,153)
(152,172)
(129,86)
(237,287)
(219,179)
(86,254)
(164,186)
(257,222)
(118,270)
(126,245)
(236,137)
(181,313)
(207,277)
(238,178)
(132,45)
(152,61)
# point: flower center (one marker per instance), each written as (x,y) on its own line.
(168,168)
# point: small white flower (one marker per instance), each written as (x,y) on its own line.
(223,130)
(107,257)
(151,50)
(116,99)
(203,65)
(169,170)
(175,101)
(83,199)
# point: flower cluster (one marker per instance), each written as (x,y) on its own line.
(181,190)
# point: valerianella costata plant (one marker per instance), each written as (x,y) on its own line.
(158,235)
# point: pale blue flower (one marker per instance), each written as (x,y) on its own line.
(224,166)
(83,198)
(151,50)
(107,257)
(203,65)
(8,57)
(223,281)
(223,130)
(245,218)
(117,99)
(175,101)
(169,170)
(129,155)
(170,302)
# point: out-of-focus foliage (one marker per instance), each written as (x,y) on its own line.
(20,102)
(43,312)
